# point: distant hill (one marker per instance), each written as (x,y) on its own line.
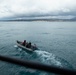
(40,19)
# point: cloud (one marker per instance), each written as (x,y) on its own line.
(9,8)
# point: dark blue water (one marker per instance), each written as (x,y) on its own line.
(56,42)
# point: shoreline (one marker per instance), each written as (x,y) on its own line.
(48,20)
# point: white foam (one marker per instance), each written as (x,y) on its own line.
(15,46)
(19,49)
(48,58)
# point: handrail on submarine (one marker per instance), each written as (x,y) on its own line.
(38,66)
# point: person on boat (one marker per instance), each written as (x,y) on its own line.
(34,46)
(24,43)
(28,45)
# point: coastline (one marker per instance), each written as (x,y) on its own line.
(48,20)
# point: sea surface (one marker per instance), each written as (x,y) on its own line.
(56,42)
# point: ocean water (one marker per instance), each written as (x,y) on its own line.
(56,42)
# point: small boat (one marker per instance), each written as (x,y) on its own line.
(25,48)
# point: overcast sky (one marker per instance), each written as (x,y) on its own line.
(10,8)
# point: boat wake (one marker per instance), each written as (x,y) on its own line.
(47,58)
(42,57)
(51,59)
